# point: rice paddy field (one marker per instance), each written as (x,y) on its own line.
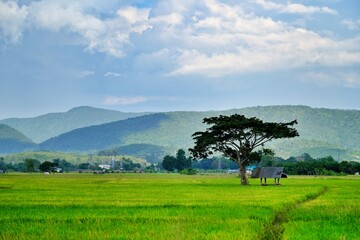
(172,206)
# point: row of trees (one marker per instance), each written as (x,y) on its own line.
(306,165)
(34,165)
(300,165)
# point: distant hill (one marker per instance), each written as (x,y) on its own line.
(12,140)
(322,131)
(102,136)
(43,127)
(149,152)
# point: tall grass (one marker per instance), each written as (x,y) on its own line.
(164,206)
(334,215)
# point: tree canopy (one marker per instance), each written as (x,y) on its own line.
(239,138)
(180,162)
(48,166)
(31,164)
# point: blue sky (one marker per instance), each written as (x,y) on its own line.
(177,55)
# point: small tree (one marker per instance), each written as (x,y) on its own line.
(182,162)
(83,166)
(63,164)
(179,162)
(48,166)
(31,165)
(239,138)
(2,164)
(168,163)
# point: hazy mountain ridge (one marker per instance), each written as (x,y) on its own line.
(7,132)
(11,140)
(43,127)
(101,136)
(335,127)
(321,130)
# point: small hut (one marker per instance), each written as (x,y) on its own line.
(269,172)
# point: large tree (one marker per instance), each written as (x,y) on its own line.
(239,138)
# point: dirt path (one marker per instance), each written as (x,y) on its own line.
(275,229)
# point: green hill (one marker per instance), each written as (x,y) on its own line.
(322,131)
(49,125)
(149,152)
(102,136)
(12,140)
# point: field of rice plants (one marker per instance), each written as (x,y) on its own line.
(172,206)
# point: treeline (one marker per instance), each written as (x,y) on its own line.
(61,165)
(306,165)
(301,165)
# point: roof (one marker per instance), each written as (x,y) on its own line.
(104,166)
(267,172)
(251,167)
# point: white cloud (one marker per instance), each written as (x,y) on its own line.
(294,8)
(206,37)
(105,35)
(112,74)
(217,45)
(84,73)
(351,24)
(124,100)
(12,20)
(134,15)
(346,79)
(109,35)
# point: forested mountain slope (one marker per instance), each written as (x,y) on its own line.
(43,127)
(12,140)
(102,136)
(322,131)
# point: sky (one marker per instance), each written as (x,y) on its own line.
(137,56)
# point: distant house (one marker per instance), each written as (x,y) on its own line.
(105,166)
(2,172)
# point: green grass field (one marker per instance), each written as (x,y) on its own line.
(171,206)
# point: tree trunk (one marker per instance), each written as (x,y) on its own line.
(242,174)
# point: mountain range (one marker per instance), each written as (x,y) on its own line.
(43,127)
(11,140)
(322,132)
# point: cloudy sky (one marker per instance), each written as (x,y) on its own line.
(177,55)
